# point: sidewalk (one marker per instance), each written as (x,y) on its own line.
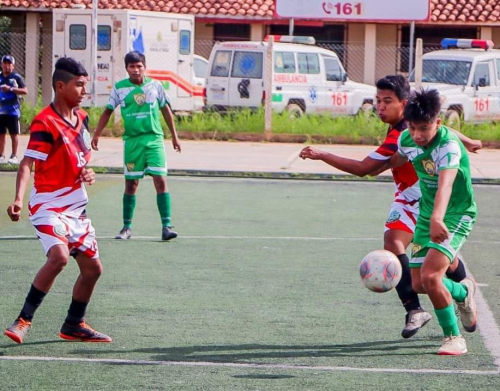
(261,159)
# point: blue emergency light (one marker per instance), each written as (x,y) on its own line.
(453,43)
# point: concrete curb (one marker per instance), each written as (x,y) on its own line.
(262,175)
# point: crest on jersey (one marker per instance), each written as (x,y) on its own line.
(86,138)
(415,248)
(394,216)
(429,167)
(130,166)
(60,230)
(140,99)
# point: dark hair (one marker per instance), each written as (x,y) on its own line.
(134,57)
(423,107)
(397,83)
(67,68)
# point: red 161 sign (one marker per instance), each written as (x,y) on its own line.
(372,10)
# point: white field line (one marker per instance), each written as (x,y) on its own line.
(231,237)
(247,366)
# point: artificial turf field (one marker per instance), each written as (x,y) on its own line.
(259,292)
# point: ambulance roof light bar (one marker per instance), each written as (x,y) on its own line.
(452,43)
(292,39)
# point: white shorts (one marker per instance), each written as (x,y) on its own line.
(403,216)
(75,232)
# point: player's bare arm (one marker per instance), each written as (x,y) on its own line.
(15,90)
(397,160)
(439,232)
(361,168)
(22,181)
(103,121)
(169,119)
(472,145)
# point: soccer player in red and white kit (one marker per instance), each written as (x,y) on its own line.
(393,93)
(59,147)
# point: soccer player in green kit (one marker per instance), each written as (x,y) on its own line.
(447,214)
(141,99)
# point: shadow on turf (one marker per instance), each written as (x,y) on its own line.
(236,353)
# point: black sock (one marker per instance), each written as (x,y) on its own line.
(76,313)
(405,291)
(31,304)
(459,273)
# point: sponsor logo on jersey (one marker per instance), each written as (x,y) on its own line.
(86,138)
(59,230)
(429,167)
(394,216)
(140,99)
(415,248)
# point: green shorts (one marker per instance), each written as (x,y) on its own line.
(144,155)
(459,227)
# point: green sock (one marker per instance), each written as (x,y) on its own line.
(163,202)
(128,209)
(448,321)
(458,291)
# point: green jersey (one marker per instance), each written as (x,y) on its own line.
(445,152)
(140,106)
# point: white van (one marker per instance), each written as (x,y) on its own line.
(305,79)
(167,41)
(467,75)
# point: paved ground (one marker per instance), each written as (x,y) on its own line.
(261,157)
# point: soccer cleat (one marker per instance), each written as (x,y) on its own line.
(453,346)
(125,233)
(13,160)
(82,333)
(3,160)
(415,320)
(18,330)
(167,233)
(467,309)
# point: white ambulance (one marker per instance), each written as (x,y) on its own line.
(305,78)
(167,41)
(467,75)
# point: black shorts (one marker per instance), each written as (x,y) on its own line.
(10,123)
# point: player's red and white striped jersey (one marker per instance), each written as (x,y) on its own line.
(405,177)
(61,151)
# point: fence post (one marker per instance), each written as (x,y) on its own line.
(268,88)
(32,60)
(418,63)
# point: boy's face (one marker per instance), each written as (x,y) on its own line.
(136,71)
(389,107)
(74,91)
(7,67)
(423,133)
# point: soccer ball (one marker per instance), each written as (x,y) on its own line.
(380,271)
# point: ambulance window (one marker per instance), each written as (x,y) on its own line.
(482,75)
(104,38)
(247,65)
(333,70)
(308,63)
(284,62)
(200,68)
(185,42)
(77,37)
(498,69)
(220,67)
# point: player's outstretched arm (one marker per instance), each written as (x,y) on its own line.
(23,179)
(103,121)
(439,232)
(397,160)
(169,119)
(361,168)
(472,145)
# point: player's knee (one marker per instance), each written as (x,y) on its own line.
(431,281)
(58,261)
(131,186)
(93,271)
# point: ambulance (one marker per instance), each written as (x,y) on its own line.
(467,75)
(305,78)
(167,41)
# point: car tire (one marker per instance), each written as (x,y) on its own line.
(453,119)
(294,111)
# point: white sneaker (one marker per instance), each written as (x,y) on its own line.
(467,309)
(13,160)
(3,160)
(453,346)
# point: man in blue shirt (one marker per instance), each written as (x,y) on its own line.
(11,86)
